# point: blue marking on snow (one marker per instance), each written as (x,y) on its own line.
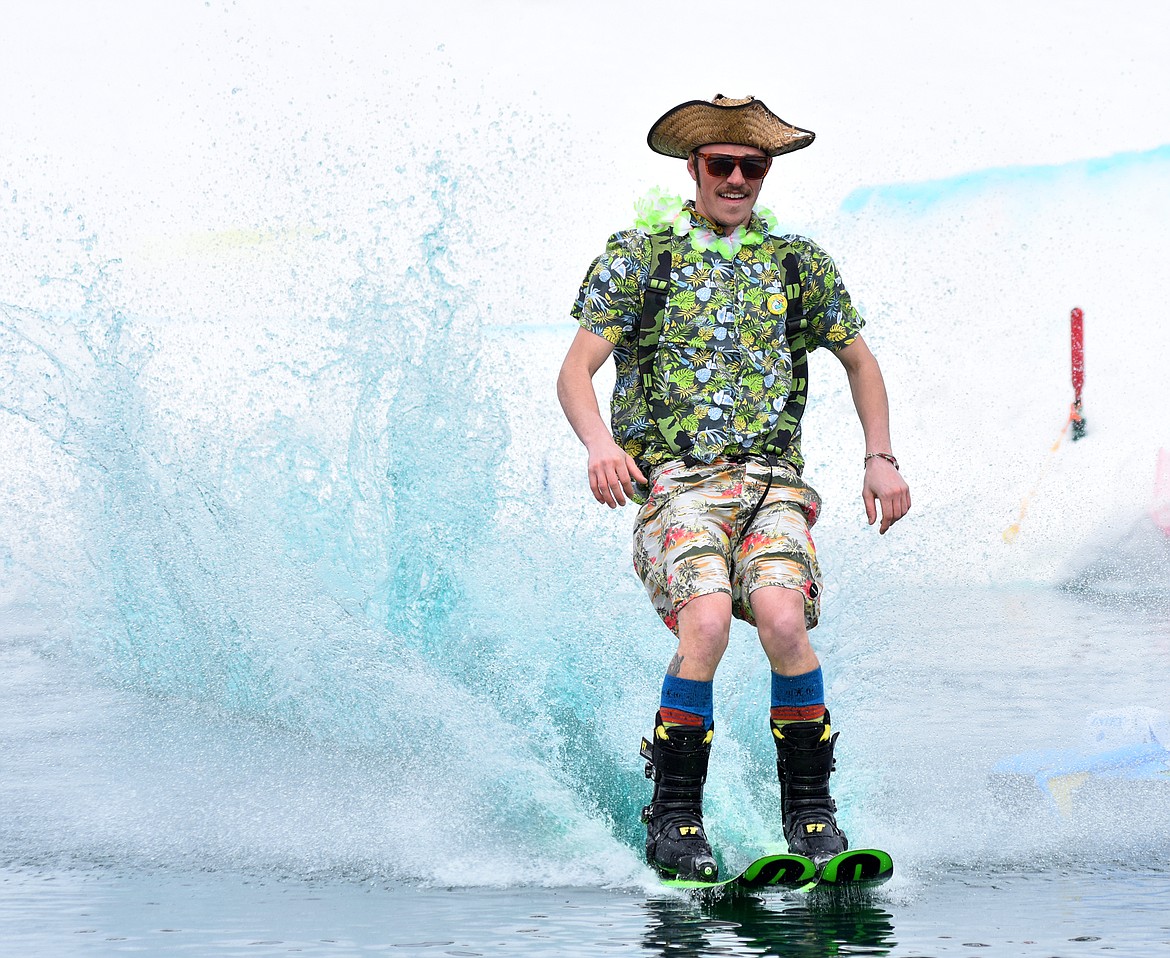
(920,196)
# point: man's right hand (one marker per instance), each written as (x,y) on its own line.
(612,473)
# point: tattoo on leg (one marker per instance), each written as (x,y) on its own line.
(675,665)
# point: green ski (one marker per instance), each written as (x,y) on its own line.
(856,868)
(771,871)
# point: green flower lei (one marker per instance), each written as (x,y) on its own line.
(659,211)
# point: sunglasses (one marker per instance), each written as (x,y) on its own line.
(721,165)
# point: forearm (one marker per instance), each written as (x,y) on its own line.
(869,395)
(612,472)
(883,484)
(579,402)
(873,406)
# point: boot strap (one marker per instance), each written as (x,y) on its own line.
(679,764)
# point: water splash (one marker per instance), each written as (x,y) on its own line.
(292,524)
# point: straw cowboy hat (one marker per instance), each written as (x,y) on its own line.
(747,122)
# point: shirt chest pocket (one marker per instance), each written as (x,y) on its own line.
(701,317)
(765,346)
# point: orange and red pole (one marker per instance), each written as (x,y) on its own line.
(1078,372)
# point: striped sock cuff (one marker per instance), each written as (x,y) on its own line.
(679,717)
(783,714)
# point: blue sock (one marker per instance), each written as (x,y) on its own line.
(687,702)
(798,698)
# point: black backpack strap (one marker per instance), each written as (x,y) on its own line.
(648,334)
(796,331)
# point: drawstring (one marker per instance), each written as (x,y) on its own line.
(771,461)
(756,509)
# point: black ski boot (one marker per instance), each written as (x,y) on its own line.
(675,841)
(804,760)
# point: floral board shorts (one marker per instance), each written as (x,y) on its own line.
(689,541)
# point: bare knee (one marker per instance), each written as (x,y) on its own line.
(704,625)
(779,615)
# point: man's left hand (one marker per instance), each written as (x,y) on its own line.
(885,485)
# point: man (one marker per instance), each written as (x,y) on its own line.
(708,316)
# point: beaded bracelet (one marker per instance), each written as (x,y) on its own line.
(881,455)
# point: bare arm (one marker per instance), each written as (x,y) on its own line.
(611,470)
(883,483)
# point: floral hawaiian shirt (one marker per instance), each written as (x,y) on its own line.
(723,360)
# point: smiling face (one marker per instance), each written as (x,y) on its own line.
(727,200)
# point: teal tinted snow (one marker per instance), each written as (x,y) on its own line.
(918,197)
